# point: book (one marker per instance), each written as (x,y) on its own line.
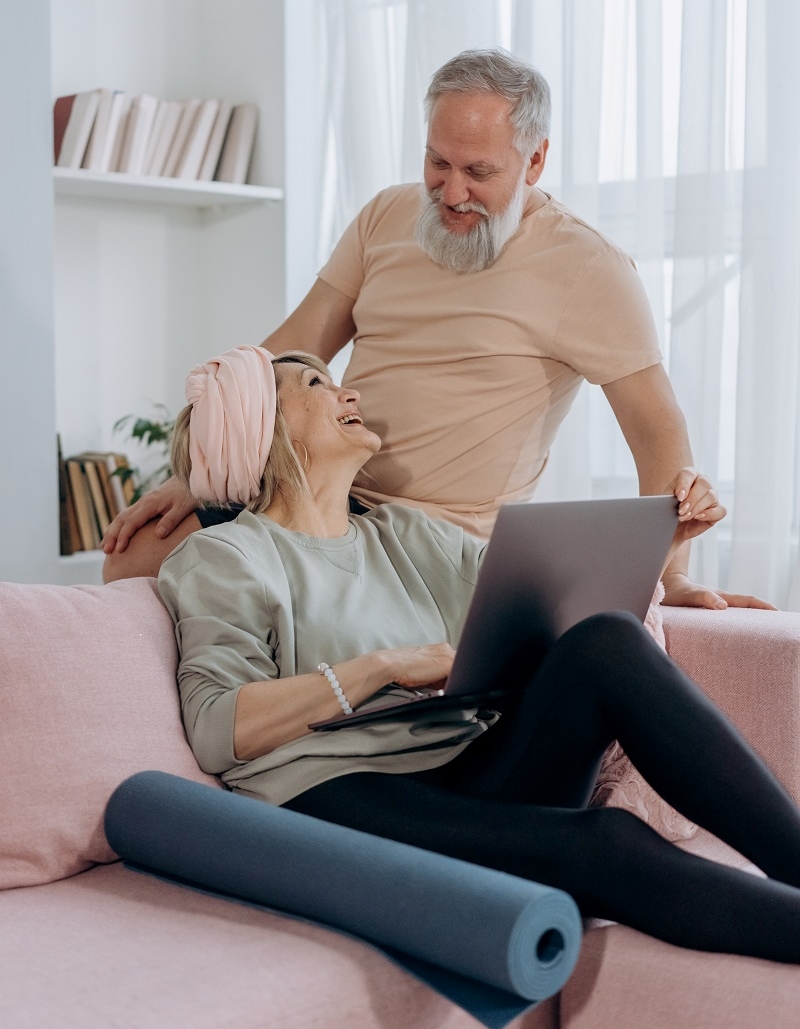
(125,475)
(104,132)
(77,130)
(197,141)
(137,134)
(92,474)
(122,129)
(62,109)
(164,129)
(189,109)
(216,139)
(84,509)
(70,540)
(237,150)
(106,464)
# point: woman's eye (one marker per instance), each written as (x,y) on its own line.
(315,380)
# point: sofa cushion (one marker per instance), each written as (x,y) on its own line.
(87,697)
(113,947)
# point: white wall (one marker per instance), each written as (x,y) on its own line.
(28,483)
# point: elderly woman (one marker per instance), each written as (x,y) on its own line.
(299,609)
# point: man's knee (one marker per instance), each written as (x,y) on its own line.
(146,551)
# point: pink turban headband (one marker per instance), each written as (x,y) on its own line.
(231,425)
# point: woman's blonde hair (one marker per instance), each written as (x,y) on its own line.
(284,471)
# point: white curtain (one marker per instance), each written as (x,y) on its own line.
(675,133)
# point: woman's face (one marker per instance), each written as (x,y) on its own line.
(324,417)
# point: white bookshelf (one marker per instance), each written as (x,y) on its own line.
(153,275)
(116,186)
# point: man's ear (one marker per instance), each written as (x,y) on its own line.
(536,163)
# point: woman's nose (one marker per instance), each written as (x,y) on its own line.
(351,396)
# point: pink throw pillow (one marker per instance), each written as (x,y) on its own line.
(87,697)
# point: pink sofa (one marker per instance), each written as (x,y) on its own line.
(87,697)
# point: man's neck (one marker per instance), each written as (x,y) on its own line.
(535,200)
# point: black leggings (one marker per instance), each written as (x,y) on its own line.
(515,799)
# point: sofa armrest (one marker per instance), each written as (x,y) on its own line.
(748,663)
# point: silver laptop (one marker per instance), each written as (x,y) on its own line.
(546,567)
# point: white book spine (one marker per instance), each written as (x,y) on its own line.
(79,128)
(217,138)
(155,133)
(238,147)
(122,130)
(137,134)
(94,148)
(190,109)
(197,141)
(166,135)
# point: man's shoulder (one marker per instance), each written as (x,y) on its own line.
(394,202)
(568,228)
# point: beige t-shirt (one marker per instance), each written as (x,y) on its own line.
(467,377)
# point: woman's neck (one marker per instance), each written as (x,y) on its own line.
(323,512)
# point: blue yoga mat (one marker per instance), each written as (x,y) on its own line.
(491,942)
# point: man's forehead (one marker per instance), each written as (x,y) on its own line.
(479,122)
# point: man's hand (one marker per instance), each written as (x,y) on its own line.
(680,591)
(172,501)
(698,510)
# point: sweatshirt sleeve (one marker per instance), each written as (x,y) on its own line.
(226,638)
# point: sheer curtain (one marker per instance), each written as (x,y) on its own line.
(675,134)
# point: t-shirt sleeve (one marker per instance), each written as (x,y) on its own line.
(606,329)
(344,269)
(225,636)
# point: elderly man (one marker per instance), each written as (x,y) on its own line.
(476,306)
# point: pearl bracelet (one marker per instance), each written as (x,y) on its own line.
(330,675)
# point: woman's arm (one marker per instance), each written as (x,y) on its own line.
(276,711)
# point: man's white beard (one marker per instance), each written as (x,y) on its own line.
(468,251)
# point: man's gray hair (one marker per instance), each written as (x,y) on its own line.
(497,71)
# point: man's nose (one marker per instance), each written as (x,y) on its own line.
(455,189)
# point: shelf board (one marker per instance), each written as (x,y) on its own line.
(150,189)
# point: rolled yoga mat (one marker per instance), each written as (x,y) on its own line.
(491,929)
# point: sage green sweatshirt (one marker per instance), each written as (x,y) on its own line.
(253,601)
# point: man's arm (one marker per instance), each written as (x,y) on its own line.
(655,430)
(321,324)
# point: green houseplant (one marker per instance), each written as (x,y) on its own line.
(149,432)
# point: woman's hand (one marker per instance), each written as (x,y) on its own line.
(413,667)
(277,711)
(172,501)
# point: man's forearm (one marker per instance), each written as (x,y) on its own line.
(679,565)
